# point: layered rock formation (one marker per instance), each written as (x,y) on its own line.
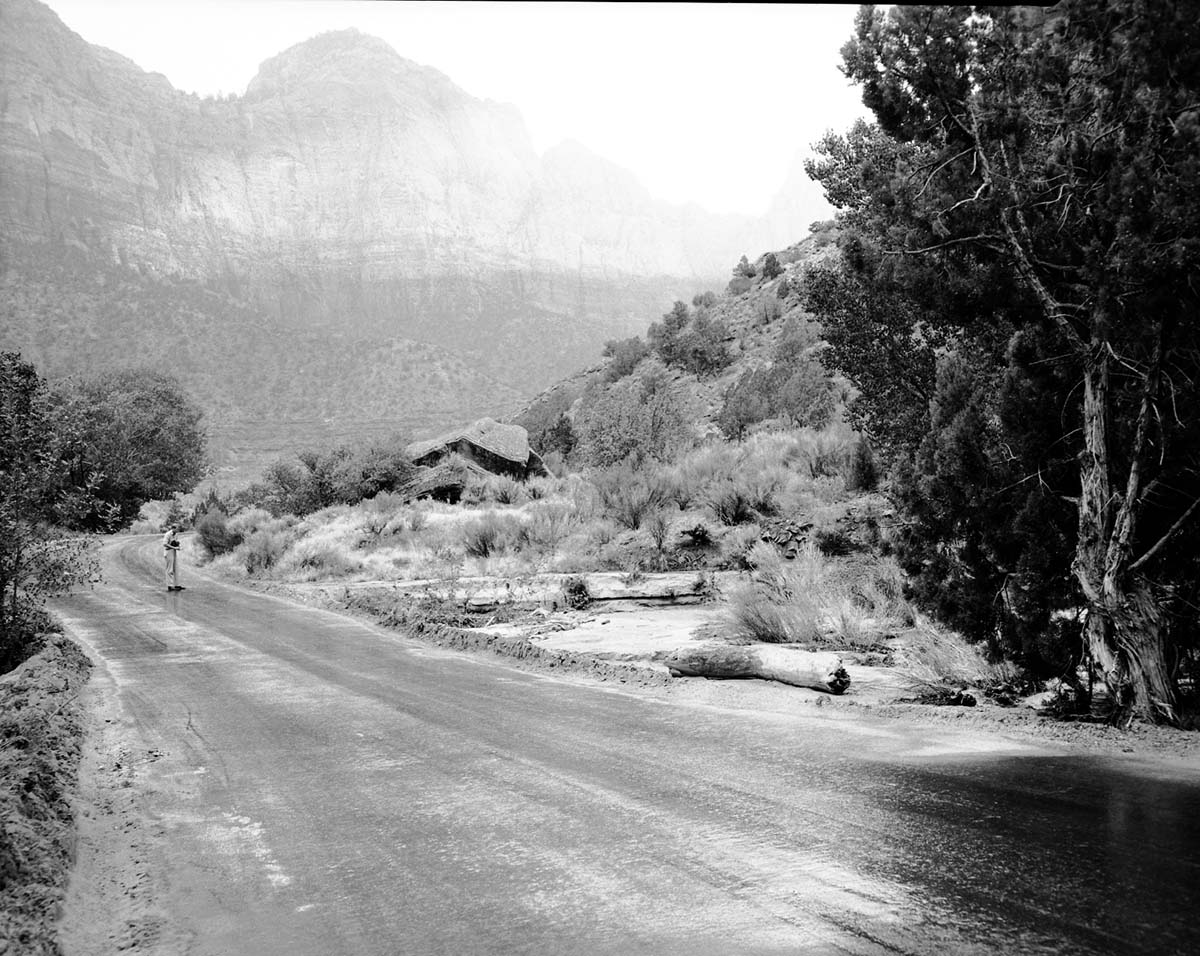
(355,237)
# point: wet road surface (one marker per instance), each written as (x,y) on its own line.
(326,787)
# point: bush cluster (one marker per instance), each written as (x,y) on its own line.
(319,479)
(694,342)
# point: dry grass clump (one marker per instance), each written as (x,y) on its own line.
(758,616)
(312,559)
(629,496)
(546,527)
(505,490)
(541,488)
(490,534)
(815,600)
(770,474)
(782,605)
(730,502)
(934,661)
(880,592)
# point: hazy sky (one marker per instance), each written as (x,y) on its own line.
(703,102)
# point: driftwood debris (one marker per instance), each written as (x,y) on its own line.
(788,665)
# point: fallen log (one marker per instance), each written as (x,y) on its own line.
(819,670)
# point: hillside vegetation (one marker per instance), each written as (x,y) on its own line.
(654,475)
(722,442)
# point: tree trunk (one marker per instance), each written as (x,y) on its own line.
(1147,689)
(816,670)
(1124,624)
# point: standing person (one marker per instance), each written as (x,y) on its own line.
(170,545)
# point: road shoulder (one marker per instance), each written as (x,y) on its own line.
(110,903)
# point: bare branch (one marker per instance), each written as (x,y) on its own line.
(1121,542)
(1171,532)
(939,168)
(942,245)
(962,202)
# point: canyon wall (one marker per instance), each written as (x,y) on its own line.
(354,241)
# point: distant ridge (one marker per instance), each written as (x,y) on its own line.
(354,238)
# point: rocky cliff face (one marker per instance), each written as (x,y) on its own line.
(353,215)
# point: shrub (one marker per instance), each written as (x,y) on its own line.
(546,528)
(659,528)
(629,496)
(265,539)
(417,518)
(623,356)
(539,488)
(575,592)
(665,336)
(214,535)
(829,489)
(702,349)
(377,519)
(763,486)
(557,437)
(833,541)
(758,615)
(862,473)
(881,593)
(730,502)
(737,546)
(604,531)
(486,536)
(505,490)
(744,403)
(933,660)
(640,417)
(476,489)
(322,559)
(823,453)
(799,601)
(263,549)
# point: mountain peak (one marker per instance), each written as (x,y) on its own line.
(341,57)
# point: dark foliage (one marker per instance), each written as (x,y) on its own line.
(37,558)
(137,438)
(623,356)
(212,531)
(319,479)
(794,387)
(1026,212)
(771,267)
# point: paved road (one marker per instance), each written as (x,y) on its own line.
(325,787)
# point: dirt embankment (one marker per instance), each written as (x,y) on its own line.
(589,650)
(41,730)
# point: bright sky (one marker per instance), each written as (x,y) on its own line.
(704,102)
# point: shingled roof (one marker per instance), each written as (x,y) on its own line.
(440,479)
(506,441)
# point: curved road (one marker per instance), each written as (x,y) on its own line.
(325,787)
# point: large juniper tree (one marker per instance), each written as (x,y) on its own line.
(1052,157)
